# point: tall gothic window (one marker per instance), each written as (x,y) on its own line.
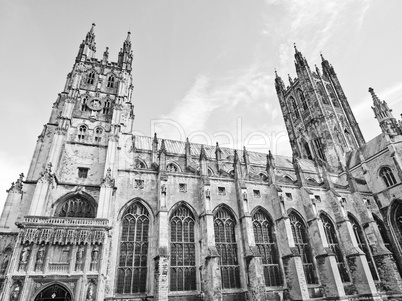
(110,81)
(132,268)
(76,206)
(300,237)
(98,134)
(396,221)
(308,152)
(320,148)
(387,176)
(361,241)
(84,102)
(321,91)
(383,232)
(182,250)
(106,108)
(333,243)
(91,78)
(264,239)
(225,240)
(82,133)
(294,107)
(303,100)
(332,95)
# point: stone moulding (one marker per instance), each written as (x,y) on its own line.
(50,230)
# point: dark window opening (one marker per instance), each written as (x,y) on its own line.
(82,131)
(84,102)
(106,108)
(76,206)
(82,172)
(303,101)
(91,78)
(110,82)
(98,135)
(387,176)
(221,191)
(308,152)
(320,148)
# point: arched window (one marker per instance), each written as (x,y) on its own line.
(110,81)
(84,102)
(320,148)
(294,107)
(54,292)
(98,134)
(387,176)
(303,100)
(225,240)
(333,243)
(332,95)
(308,151)
(82,133)
(76,206)
(182,250)
(171,168)
(396,220)
(383,232)
(300,237)
(106,108)
(132,268)
(91,78)
(361,241)
(264,239)
(321,91)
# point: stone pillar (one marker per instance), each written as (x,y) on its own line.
(211,283)
(292,262)
(105,195)
(161,285)
(359,269)
(9,214)
(41,191)
(325,258)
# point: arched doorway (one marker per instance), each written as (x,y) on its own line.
(54,292)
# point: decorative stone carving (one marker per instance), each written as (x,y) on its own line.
(94,257)
(40,256)
(6,259)
(24,257)
(46,176)
(15,292)
(163,189)
(108,181)
(207,193)
(16,187)
(79,257)
(91,290)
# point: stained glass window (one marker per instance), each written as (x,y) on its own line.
(263,228)
(225,240)
(133,253)
(182,250)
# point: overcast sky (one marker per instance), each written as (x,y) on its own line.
(202,69)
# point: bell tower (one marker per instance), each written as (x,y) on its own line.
(318,118)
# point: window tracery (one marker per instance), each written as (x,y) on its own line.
(98,134)
(133,250)
(225,240)
(264,239)
(82,133)
(361,241)
(397,221)
(106,107)
(110,82)
(182,250)
(320,148)
(76,206)
(300,237)
(84,103)
(303,100)
(332,95)
(333,243)
(91,78)
(387,176)
(383,232)
(295,108)
(171,168)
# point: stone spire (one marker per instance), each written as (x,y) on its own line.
(88,46)
(126,54)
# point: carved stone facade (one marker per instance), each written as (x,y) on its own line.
(106,215)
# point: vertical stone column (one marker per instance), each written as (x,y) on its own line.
(105,195)
(41,191)
(326,261)
(292,262)
(161,260)
(9,214)
(211,284)
(361,276)
(256,282)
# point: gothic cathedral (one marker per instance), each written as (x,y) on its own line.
(106,215)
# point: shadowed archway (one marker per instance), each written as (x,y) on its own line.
(54,292)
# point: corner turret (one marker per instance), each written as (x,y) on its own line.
(88,46)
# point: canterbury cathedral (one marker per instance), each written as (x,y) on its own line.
(103,214)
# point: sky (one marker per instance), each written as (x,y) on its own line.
(202,69)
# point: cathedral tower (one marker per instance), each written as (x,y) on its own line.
(317,115)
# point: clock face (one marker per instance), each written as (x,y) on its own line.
(96,104)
